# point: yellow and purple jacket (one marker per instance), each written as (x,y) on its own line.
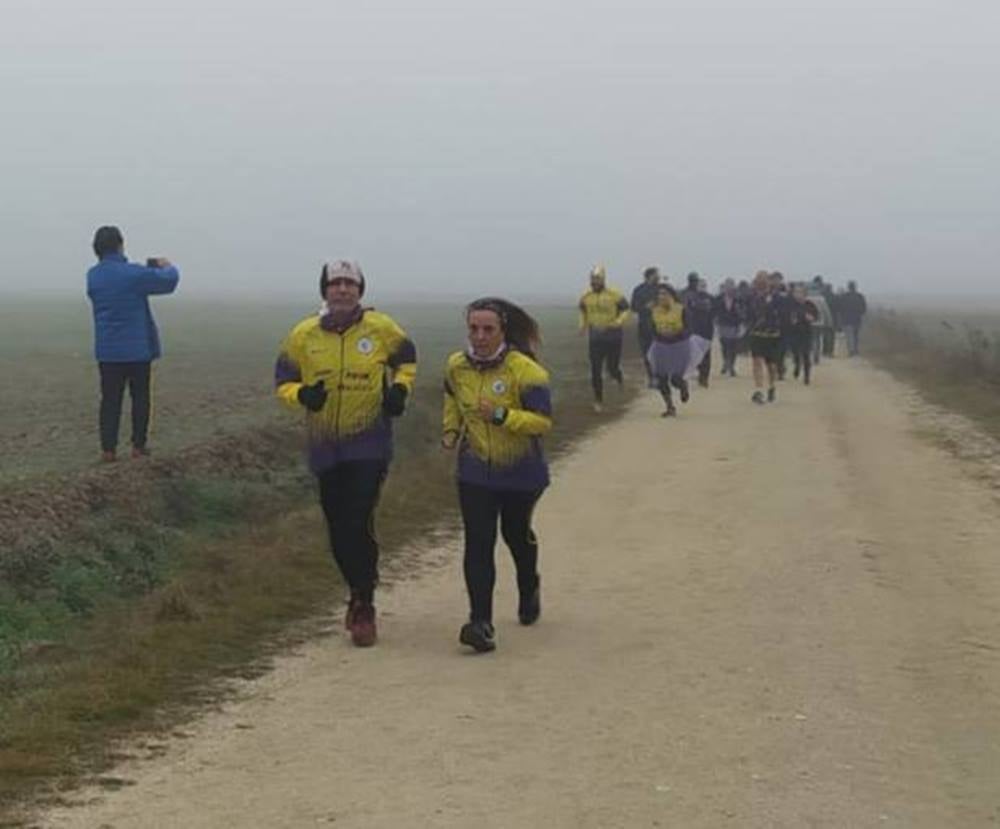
(670,325)
(357,365)
(504,452)
(604,313)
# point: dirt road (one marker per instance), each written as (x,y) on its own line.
(753,617)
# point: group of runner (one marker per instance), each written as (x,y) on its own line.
(351,369)
(769,317)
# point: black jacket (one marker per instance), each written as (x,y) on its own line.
(851,307)
(733,316)
(642,296)
(701,313)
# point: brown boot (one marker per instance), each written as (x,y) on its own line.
(363,630)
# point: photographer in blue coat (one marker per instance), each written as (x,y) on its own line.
(125,337)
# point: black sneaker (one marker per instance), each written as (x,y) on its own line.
(771,395)
(529,607)
(758,398)
(478,635)
(685,391)
(671,411)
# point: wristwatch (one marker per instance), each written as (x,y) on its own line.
(499,416)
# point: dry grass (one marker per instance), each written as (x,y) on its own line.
(953,359)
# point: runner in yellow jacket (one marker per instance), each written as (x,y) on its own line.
(497,406)
(350,369)
(603,314)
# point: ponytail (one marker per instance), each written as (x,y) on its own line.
(520,329)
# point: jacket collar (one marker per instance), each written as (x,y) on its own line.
(332,322)
(114,257)
(489,362)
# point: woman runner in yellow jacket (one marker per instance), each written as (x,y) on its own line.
(350,369)
(676,350)
(497,406)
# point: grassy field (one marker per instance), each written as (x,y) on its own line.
(952,356)
(125,589)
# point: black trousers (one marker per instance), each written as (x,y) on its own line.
(114,378)
(645,341)
(729,351)
(783,349)
(349,494)
(800,343)
(481,507)
(705,368)
(829,341)
(604,351)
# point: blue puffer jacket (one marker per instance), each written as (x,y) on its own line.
(124,330)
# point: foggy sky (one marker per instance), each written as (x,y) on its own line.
(465,146)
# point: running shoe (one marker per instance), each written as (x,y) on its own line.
(758,398)
(670,412)
(479,636)
(771,394)
(529,607)
(363,630)
(109,456)
(139,452)
(685,391)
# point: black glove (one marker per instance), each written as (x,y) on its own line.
(314,397)
(394,402)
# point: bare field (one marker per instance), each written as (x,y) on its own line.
(215,378)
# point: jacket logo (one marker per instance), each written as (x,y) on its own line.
(499,387)
(365,346)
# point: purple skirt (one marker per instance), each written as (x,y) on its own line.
(680,358)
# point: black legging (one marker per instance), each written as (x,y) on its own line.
(114,378)
(604,350)
(349,493)
(664,384)
(481,507)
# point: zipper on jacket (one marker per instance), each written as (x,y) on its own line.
(340,390)
(489,428)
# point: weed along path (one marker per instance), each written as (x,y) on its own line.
(785,616)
